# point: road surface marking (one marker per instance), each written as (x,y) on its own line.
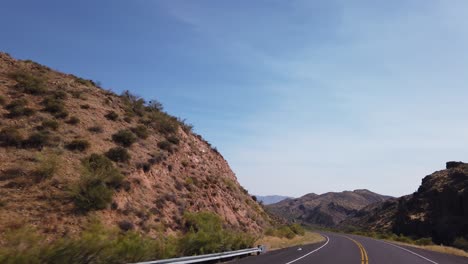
(292,261)
(364,257)
(409,251)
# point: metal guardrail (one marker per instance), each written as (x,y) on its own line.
(208,257)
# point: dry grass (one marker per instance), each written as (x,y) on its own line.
(437,248)
(272,242)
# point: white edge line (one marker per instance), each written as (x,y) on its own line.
(409,251)
(315,250)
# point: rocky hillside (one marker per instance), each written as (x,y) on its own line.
(71,151)
(271,199)
(327,209)
(438,209)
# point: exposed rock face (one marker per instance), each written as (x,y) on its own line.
(438,209)
(327,209)
(171,170)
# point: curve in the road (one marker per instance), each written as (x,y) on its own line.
(315,250)
(414,253)
(364,257)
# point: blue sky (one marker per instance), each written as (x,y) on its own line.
(299,96)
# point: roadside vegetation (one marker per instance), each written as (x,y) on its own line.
(98,244)
(287,236)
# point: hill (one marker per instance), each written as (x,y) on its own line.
(271,199)
(71,151)
(327,209)
(438,209)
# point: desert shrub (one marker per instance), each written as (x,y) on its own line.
(78,94)
(173,139)
(140,131)
(37,140)
(145,166)
(73,120)
(205,234)
(96,129)
(112,115)
(55,106)
(28,83)
(162,122)
(134,105)
(18,108)
(404,239)
(51,124)
(85,106)
(425,241)
(78,145)
(48,165)
(124,137)
(125,225)
(297,229)
(156,157)
(11,137)
(154,106)
(165,145)
(461,242)
(83,81)
(12,173)
(97,244)
(2,100)
(59,94)
(118,154)
(94,190)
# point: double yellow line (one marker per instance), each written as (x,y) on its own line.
(364,258)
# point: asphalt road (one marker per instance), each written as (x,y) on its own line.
(341,248)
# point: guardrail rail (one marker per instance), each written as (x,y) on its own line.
(208,257)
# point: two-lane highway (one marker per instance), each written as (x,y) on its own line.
(342,248)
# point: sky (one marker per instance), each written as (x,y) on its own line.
(299,96)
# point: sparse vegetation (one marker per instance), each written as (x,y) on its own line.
(85,106)
(37,140)
(173,139)
(165,145)
(96,186)
(96,129)
(55,106)
(140,131)
(118,154)
(73,120)
(124,137)
(112,115)
(18,108)
(28,83)
(50,124)
(461,243)
(48,165)
(2,100)
(78,145)
(10,137)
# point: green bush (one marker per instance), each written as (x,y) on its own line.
(78,145)
(134,105)
(124,137)
(18,108)
(287,231)
(2,100)
(140,131)
(205,234)
(29,83)
(111,115)
(425,241)
(59,94)
(297,229)
(94,190)
(37,140)
(118,154)
(10,137)
(48,165)
(52,124)
(73,120)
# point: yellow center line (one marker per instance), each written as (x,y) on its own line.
(364,257)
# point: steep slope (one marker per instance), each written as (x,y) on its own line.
(438,209)
(327,209)
(51,124)
(271,199)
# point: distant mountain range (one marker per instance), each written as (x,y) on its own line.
(271,199)
(328,209)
